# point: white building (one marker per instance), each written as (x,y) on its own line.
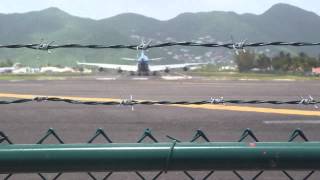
(56,70)
(26,70)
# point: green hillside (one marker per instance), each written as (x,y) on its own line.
(281,22)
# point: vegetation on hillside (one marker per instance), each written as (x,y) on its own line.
(283,62)
(6,63)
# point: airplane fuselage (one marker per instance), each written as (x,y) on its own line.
(143,67)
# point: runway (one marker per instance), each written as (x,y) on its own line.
(27,123)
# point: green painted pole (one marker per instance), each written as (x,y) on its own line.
(159,157)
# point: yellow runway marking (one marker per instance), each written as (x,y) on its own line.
(205,106)
(254,109)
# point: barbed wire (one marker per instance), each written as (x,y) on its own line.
(147,136)
(131,102)
(238,45)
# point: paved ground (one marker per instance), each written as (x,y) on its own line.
(26,123)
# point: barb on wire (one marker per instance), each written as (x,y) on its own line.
(128,102)
(216,100)
(144,46)
(43,46)
(238,46)
(309,100)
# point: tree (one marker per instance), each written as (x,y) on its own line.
(263,62)
(6,63)
(301,63)
(282,62)
(245,61)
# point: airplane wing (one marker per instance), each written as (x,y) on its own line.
(129,59)
(173,66)
(155,59)
(112,66)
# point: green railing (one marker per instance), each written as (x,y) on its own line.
(160,156)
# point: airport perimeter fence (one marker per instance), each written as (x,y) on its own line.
(160,157)
(199,154)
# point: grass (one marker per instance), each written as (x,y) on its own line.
(215,75)
(10,77)
(250,76)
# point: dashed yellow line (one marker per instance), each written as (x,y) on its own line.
(205,106)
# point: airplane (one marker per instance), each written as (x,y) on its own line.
(9,69)
(142,67)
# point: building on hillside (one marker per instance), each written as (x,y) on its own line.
(316,71)
(50,69)
(228,68)
(26,70)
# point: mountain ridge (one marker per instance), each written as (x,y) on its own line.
(282,22)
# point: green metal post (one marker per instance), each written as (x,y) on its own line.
(159,156)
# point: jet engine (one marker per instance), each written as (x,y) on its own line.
(154,73)
(167,70)
(100,69)
(120,70)
(185,68)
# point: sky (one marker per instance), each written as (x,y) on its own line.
(159,9)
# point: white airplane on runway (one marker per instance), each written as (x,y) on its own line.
(143,67)
(9,69)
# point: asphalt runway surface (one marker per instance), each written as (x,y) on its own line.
(27,123)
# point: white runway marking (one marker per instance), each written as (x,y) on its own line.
(51,78)
(248,79)
(293,122)
(16,81)
(106,79)
(284,80)
(175,77)
(140,79)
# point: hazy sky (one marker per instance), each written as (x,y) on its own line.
(160,9)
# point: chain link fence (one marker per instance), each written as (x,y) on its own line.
(147,137)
